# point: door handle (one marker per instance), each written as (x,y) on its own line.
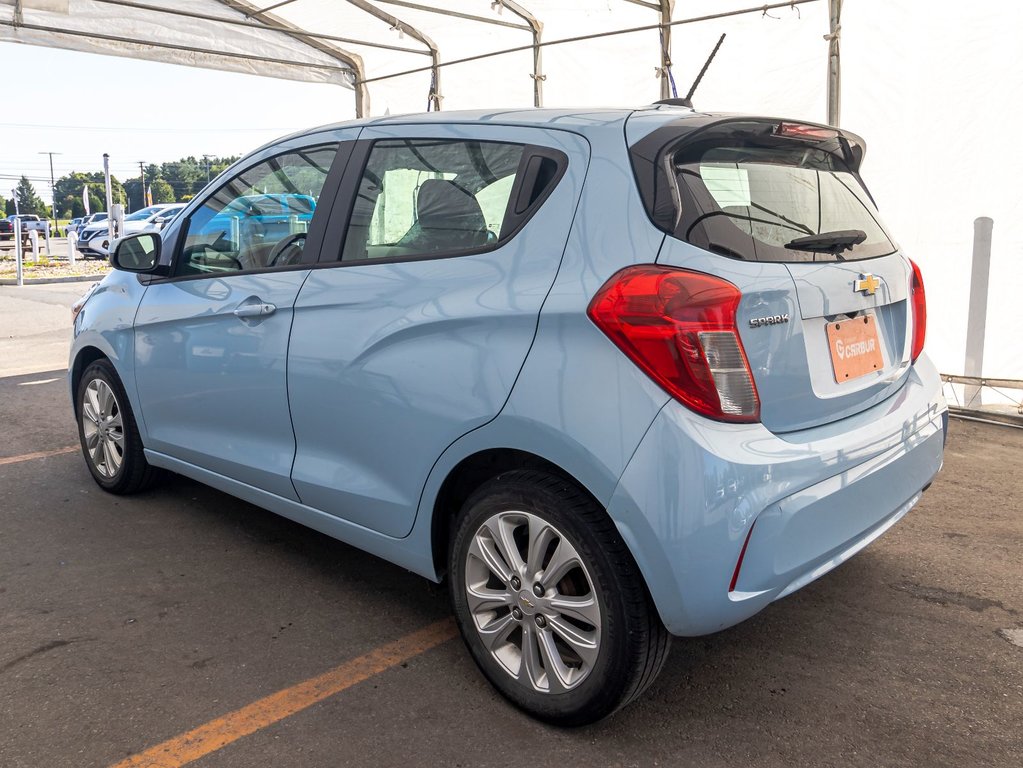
(261,309)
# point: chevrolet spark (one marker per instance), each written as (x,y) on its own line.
(615,375)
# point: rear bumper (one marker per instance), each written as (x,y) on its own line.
(696,491)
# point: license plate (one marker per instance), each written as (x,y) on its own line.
(855,348)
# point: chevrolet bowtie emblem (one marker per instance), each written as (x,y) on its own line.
(867,284)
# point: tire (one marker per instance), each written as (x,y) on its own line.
(604,651)
(108,432)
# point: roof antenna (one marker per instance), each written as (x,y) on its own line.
(687,101)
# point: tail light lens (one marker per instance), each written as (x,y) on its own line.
(679,327)
(919,301)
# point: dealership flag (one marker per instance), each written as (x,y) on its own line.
(85,198)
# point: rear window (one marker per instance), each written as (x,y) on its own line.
(745,192)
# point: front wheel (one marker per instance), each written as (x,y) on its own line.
(549,601)
(108,432)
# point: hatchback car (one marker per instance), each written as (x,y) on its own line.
(614,374)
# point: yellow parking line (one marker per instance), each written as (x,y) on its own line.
(38,455)
(228,728)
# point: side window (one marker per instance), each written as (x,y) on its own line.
(258,219)
(419,197)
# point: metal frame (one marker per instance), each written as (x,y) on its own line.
(352,65)
(352,60)
(664,9)
(434,97)
(536,29)
(532,25)
(834,37)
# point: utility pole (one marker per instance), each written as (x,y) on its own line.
(142,176)
(53,188)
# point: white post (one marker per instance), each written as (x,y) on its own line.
(18,255)
(977,317)
(110,195)
(72,238)
(33,239)
(117,214)
(49,253)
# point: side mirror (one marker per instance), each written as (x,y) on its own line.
(138,253)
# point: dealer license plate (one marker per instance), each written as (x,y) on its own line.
(855,347)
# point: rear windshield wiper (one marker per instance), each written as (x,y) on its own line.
(829,242)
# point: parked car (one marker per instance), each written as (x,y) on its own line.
(614,375)
(94,238)
(29,222)
(163,218)
(7,230)
(85,221)
(72,226)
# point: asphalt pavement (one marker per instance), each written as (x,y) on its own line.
(185,626)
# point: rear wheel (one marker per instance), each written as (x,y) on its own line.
(108,432)
(549,600)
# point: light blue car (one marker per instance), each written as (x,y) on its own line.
(613,374)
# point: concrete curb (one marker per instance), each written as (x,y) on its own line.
(47,280)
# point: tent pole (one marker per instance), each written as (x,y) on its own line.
(834,62)
(664,9)
(434,97)
(352,60)
(667,6)
(536,28)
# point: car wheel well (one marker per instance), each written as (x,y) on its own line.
(86,357)
(468,475)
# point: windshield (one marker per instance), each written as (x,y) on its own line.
(767,203)
(143,214)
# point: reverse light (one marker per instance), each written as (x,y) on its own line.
(808,132)
(919,301)
(679,328)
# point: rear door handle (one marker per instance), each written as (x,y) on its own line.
(261,309)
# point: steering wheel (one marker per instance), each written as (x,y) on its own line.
(287,251)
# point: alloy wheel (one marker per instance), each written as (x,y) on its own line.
(532,601)
(103,428)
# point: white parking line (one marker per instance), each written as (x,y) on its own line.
(41,381)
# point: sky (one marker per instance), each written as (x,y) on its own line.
(163,112)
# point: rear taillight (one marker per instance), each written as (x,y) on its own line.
(919,301)
(679,327)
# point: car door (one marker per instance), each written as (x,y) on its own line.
(442,247)
(211,340)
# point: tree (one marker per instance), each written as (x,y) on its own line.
(68,193)
(162,191)
(28,200)
(184,175)
(133,189)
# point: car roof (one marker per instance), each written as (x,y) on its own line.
(577,119)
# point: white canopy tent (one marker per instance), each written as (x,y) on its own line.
(931,89)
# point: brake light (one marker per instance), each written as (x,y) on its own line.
(679,328)
(919,301)
(808,132)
